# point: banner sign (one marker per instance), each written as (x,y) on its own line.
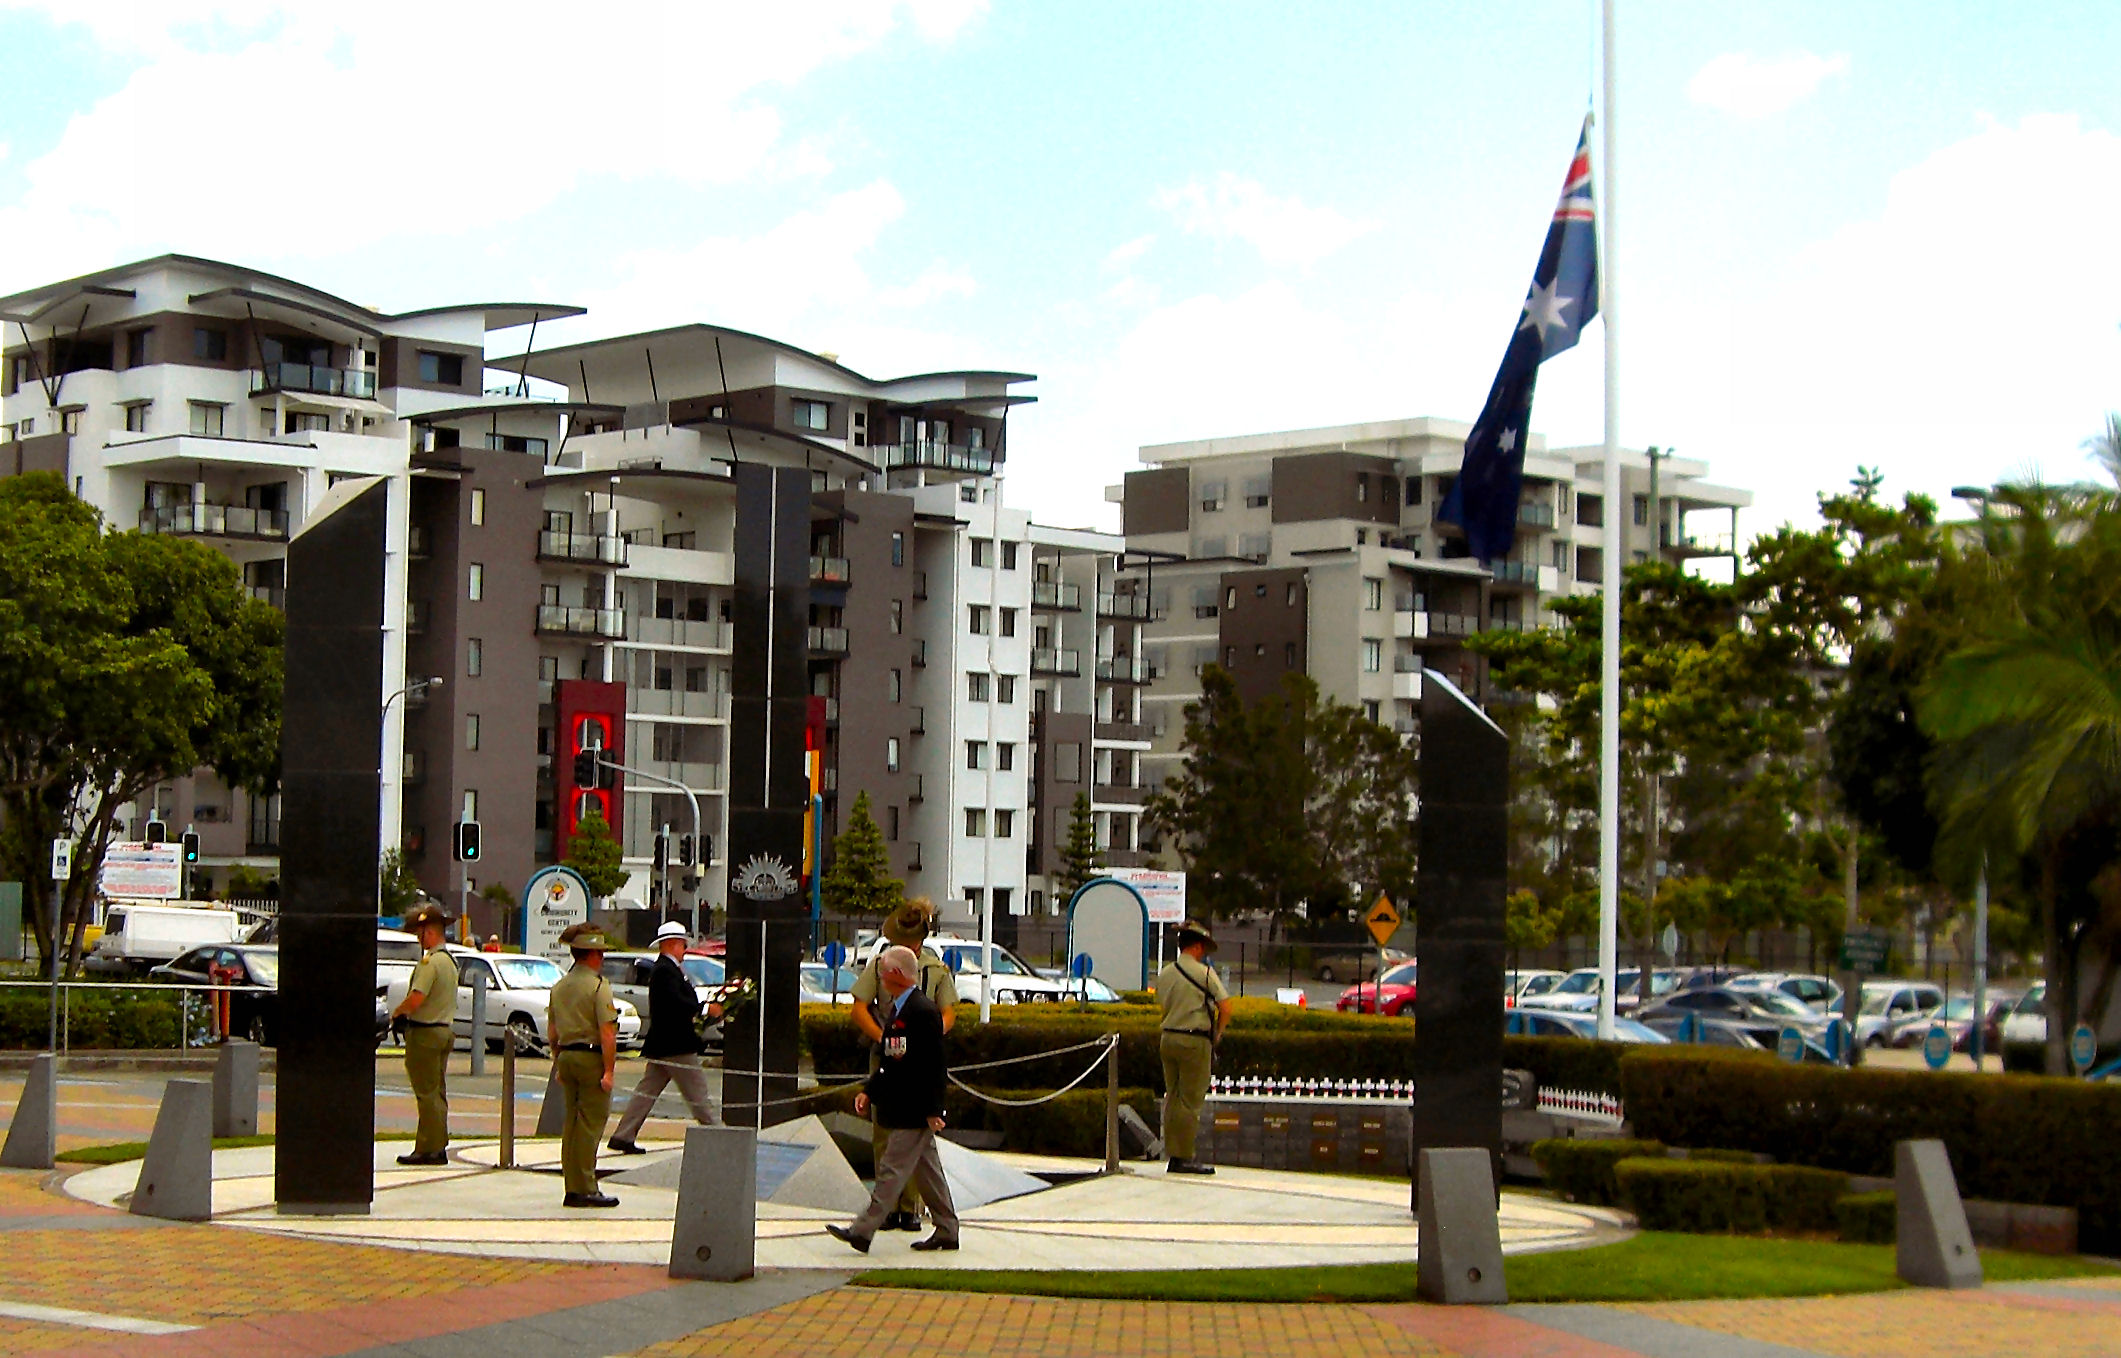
(143,872)
(1163,892)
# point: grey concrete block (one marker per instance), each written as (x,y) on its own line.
(1935,1248)
(714,1236)
(236,1089)
(1459,1248)
(552,1113)
(33,1134)
(177,1177)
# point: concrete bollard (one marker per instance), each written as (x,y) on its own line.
(1459,1248)
(177,1177)
(1935,1248)
(552,1114)
(33,1135)
(478,1023)
(236,1089)
(714,1236)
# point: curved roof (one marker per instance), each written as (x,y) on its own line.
(510,408)
(539,357)
(501,315)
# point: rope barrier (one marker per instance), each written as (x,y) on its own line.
(1112,1044)
(1108,1043)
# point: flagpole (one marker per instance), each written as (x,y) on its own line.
(1615,562)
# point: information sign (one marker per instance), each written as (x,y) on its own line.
(1865,950)
(553,899)
(143,872)
(1164,893)
(2083,1047)
(1937,1046)
(1790,1046)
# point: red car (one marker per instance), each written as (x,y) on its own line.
(1391,994)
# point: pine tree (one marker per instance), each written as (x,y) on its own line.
(859,882)
(1080,860)
(592,852)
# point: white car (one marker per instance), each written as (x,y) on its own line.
(1887,1003)
(1519,986)
(1015,980)
(1577,992)
(518,994)
(820,986)
(2027,1019)
(1822,993)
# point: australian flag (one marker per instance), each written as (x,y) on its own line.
(1563,299)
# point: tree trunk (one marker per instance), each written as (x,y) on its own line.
(2056,962)
(1851,982)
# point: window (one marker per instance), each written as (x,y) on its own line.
(1257,491)
(549,594)
(136,348)
(445,370)
(975,822)
(1373,595)
(136,417)
(1373,655)
(1211,496)
(975,754)
(70,421)
(975,688)
(896,687)
(516,443)
(471,804)
(1004,828)
(1211,547)
(1255,545)
(1413,490)
(478,507)
(1642,510)
(208,418)
(891,755)
(209,344)
(898,549)
(1362,488)
(968,493)
(1008,622)
(548,667)
(1005,756)
(898,616)
(982,551)
(475,588)
(474,657)
(1008,559)
(813,415)
(976,618)
(1005,688)
(1288,655)
(1370,708)
(1229,657)
(300,422)
(1289,595)
(1561,556)
(695,678)
(471,730)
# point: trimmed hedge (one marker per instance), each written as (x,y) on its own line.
(1582,1171)
(1720,1196)
(2012,1138)
(1869,1218)
(122,1018)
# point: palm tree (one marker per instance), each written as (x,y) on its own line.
(2105,447)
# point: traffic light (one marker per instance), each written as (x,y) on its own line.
(467,845)
(585,768)
(685,847)
(157,832)
(662,851)
(191,848)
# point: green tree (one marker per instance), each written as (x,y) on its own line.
(397,886)
(499,895)
(859,882)
(1527,924)
(1080,859)
(593,852)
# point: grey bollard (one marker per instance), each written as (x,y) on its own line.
(236,1089)
(1459,1248)
(1935,1247)
(552,1114)
(177,1177)
(33,1136)
(478,1023)
(714,1236)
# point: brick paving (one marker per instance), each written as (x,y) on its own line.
(2054,1320)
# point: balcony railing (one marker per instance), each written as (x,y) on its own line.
(1453,624)
(828,641)
(1406,664)
(559,620)
(1516,572)
(415,616)
(1121,730)
(1052,660)
(1054,595)
(416,544)
(314,377)
(1122,794)
(414,769)
(215,521)
(600,549)
(1537,513)
(828,570)
(1124,606)
(1506,624)
(948,457)
(1123,669)
(268,594)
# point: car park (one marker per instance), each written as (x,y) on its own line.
(1956,1014)
(253,972)
(1560,1023)
(1391,994)
(1887,1003)
(518,996)
(1578,991)
(1720,1032)
(1822,993)
(1762,1013)
(1015,980)
(1520,985)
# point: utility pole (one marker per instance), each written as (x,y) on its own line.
(1649,776)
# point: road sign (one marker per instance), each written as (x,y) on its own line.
(1936,1046)
(1383,919)
(1865,951)
(833,954)
(1790,1046)
(62,859)
(1079,966)
(2083,1047)
(1839,1040)
(1668,942)
(1690,1028)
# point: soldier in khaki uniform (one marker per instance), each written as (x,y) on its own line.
(1196,1009)
(908,927)
(582,1027)
(426,1015)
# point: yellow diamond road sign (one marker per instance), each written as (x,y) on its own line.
(1383,920)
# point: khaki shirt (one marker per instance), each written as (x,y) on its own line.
(1186,1008)
(938,983)
(581,1004)
(435,978)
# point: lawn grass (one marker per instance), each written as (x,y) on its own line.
(1651,1266)
(117,1152)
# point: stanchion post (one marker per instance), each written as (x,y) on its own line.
(508,1098)
(1112,1104)
(478,1023)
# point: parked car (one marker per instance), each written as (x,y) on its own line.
(518,994)
(1822,993)
(1391,994)
(1517,986)
(1722,1032)
(1956,1014)
(1559,1023)
(1336,961)
(2027,1021)
(2002,1002)
(628,974)
(253,1013)
(1015,980)
(821,986)
(1887,1003)
(1578,991)
(1763,1013)
(140,935)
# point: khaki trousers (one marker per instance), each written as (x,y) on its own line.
(588,1104)
(909,1200)
(1188,1059)
(909,1157)
(683,1071)
(427,1067)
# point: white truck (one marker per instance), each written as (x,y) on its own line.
(138,935)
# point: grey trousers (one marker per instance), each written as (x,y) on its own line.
(691,1080)
(909,1155)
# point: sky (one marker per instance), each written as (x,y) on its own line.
(1874,235)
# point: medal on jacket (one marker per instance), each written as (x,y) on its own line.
(895,1045)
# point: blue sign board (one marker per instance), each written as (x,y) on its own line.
(833,954)
(1080,966)
(1690,1028)
(1839,1040)
(1790,1046)
(1937,1046)
(2083,1047)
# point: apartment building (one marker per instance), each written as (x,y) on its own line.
(563,531)
(1317,551)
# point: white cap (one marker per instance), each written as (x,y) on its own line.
(672,929)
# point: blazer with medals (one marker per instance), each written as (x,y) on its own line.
(907,1088)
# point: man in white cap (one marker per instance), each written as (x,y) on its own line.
(673,1044)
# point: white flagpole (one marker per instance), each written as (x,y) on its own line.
(1615,564)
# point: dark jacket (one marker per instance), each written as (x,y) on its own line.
(672,1006)
(907,1088)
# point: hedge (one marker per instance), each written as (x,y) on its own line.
(1073,1124)
(1582,1171)
(120,1018)
(2011,1138)
(1869,1218)
(1719,1195)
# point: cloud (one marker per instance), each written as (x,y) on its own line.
(1127,252)
(1754,87)
(1285,231)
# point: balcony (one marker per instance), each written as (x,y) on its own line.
(1536,513)
(414,769)
(216,521)
(1121,730)
(594,549)
(1051,596)
(1051,660)
(832,711)
(548,690)
(829,570)
(416,544)
(1123,669)
(1506,624)
(1120,794)
(943,457)
(314,377)
(1517,573)
(673,702)
(416,698)
(828,641)
(694,633)
(415,616)
(1134,607)
(1407,664)
(698,775)
(828,781)
(1699,544)
(1126,858)
(1406,687)
(274,595)
(601,624)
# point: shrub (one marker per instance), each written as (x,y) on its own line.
(1719,1195)
(1725,1157)
(1582,1171)
(1868,1218)
(116,1018)
(1568,1062)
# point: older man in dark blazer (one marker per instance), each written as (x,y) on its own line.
(907,1095)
